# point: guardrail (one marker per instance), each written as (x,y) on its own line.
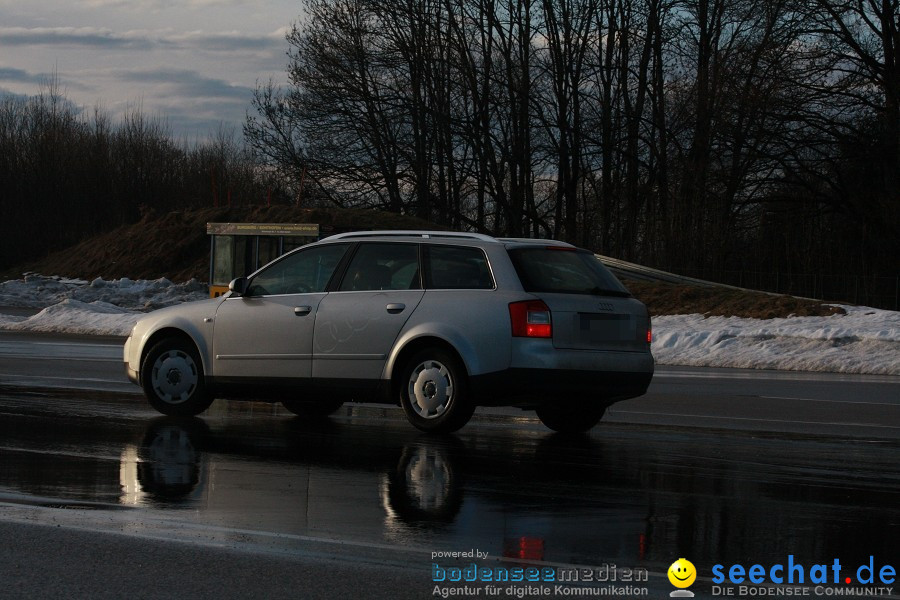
(880,292)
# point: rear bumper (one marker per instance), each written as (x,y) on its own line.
(529,388)
(540,373)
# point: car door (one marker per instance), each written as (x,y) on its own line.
(357,324)
(267,333)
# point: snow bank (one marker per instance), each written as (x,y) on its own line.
(865,340)
(75,316)
(39,291)
(98,307)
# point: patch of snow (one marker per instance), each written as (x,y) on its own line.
(40,291)
(75,316)
(864,340)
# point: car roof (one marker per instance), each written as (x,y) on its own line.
(461,236)
(412,234)
(524,242)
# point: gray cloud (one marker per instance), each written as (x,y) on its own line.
(139,39)
(230,41)
(157,5)
(189,84)
(20,76)
(39,80)
(70,36)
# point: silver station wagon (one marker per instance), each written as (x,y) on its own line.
(436,322)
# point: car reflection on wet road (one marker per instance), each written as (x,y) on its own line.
(633,496)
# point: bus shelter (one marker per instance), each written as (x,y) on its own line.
(238,249)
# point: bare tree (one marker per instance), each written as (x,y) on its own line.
(654,130)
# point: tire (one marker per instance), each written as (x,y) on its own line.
(173,380)
(570,418)
(434,391)
(312,408)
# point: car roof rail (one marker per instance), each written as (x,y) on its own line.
(413,233)
(535,241)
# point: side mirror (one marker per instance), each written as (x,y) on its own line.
(238,287)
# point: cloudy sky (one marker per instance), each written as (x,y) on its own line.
(194,62)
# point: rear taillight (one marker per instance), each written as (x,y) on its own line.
(649,332)
(530,319)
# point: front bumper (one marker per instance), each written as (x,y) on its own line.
(132,375)
(130,372)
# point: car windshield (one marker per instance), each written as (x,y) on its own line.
(564,270)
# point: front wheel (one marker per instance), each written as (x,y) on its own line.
(312,408)
(434,391)
(172,378)
(570,419)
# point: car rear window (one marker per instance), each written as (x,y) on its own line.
(456,268)
(564,270)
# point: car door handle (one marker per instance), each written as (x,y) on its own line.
(302,311)
(395,308)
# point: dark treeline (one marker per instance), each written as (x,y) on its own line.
(66,173)
(703,136)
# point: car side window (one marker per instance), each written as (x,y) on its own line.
(383,266)
(457,268)
(303,272)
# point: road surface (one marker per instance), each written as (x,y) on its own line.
(102,497)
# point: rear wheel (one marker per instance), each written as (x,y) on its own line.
(172,378)
(434,391)
(312,408)
(570,418)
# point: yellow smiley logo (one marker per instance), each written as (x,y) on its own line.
(682,573)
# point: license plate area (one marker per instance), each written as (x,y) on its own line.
(602,328)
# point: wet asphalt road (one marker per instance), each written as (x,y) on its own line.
(720,467)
